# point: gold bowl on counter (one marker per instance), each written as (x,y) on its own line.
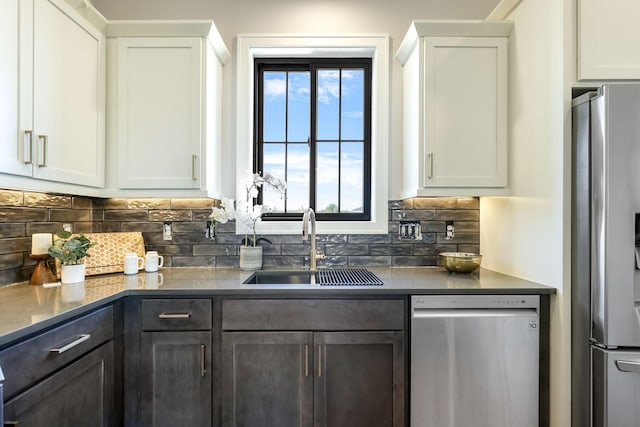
(460,262)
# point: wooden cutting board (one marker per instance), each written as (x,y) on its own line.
(107,256)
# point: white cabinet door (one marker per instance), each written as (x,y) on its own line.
(465,112)
(455,108)
(159,112)
(51,93)
(608,38)
(16,155)
(68,87)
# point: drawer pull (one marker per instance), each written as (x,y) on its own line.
(11,423)
(174,315)
(306,360)
(319,360)
(82,338)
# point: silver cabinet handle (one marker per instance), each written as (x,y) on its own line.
(82,338)
(430,158)
(319,360)
(628,366)
(174,315)
(306,360)
(44,140)
(29,137)
(203,367)
(193,167)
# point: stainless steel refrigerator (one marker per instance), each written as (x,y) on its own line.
(606,257)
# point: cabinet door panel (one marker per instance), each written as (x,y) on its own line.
(608,39)
(266,379)
(159,112)
(79,395)
(176,387)
(359,379)
(15,87)
(465,113)
(68,92)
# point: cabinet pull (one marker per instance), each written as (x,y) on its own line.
(29,134)
(44,140)
(82,338)
(193,167)
(430,158)
(174,315)
(306,360)
(319,360)
(203,367)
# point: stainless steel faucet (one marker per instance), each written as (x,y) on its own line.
(310,216)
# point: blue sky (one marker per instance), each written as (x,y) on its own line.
(329,84)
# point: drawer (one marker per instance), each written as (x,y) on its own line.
(309,315)
(26,363)
(176,314)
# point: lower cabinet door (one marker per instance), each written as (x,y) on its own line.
(80,395)
(267,379)
(359,379)
(175,379)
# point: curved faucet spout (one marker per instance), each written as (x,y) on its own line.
(310,217)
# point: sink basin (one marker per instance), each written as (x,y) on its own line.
(281,278)
(324,277)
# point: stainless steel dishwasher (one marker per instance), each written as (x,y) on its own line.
(475,361)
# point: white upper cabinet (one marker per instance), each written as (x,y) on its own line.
(608,36)
(165,82)
(455,108)
(52,99)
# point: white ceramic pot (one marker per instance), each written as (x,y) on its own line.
(73,273)
(250,257)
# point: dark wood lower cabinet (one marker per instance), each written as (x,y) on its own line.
(79,395)
(359,380)
(267,379)
(175,379)
(330,379)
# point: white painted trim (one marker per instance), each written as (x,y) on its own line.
(172,28)
(376,46)
(503,9)
(449,28)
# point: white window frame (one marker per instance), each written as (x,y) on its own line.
(374,46)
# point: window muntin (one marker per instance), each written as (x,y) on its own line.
(315,115)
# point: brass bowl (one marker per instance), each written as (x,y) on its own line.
(460,262)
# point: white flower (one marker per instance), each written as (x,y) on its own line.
(223,214)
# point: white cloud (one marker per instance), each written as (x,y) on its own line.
(275,87)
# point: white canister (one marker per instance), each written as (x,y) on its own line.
(133,263)
(153,261)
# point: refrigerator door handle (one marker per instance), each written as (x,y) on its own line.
(627,366)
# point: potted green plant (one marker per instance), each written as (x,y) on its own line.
(71,250)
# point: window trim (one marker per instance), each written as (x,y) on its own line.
(376,47)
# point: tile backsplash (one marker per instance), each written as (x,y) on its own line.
(25,213)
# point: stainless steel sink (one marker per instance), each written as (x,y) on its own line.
(281,278)
(324,277)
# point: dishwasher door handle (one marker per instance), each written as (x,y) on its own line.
(423,313)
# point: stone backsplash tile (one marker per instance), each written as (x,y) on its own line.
(25,213)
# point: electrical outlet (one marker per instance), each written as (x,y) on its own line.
(450,230)
(410,230)
(67,227)
(167,232)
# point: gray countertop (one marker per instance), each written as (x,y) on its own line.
(26,309)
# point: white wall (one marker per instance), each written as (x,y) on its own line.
(302,16)
(527,235)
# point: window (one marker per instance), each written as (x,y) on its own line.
(374,47)
(313,129)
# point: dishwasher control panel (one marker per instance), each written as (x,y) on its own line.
(475,301)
